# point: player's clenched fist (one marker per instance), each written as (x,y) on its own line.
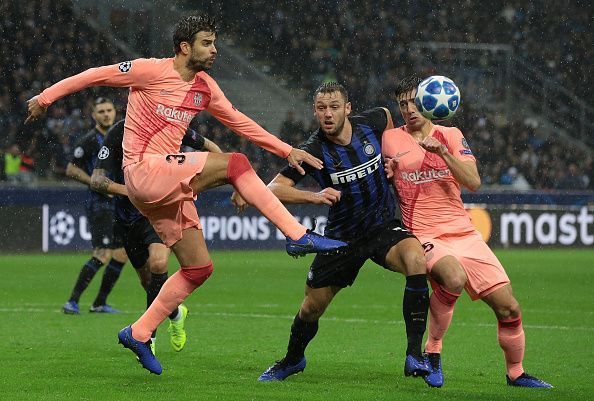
(432,145)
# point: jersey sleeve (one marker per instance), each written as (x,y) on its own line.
(458,145)
(136,74)
(108,159)
(241,124)
(193,139)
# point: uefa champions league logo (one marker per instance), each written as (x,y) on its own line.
(62,228)
(125,66)
(103,153)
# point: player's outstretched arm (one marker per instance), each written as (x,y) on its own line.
(196,141)
(78,174)
(127,74)
(102,184)
(284,189)
(210,146)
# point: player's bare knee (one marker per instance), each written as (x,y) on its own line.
(158,264)
(311,314)
(507,310)
(119,255)
(311,311)
(103,254)
(510,310)
(455,280)
(456,283)
(515,310)
(416,264)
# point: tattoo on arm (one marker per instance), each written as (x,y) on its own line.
(100,182)
(103,185)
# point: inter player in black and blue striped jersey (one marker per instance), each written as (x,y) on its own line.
(362,213)
(106,241)
(146,251)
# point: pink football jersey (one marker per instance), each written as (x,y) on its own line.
(428,194)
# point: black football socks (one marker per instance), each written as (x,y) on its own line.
(301,334)
(415,307)
(85,276)
(110,277)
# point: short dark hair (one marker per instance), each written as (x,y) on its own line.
(407,84)
(189,26)
(329,87)
(101,100)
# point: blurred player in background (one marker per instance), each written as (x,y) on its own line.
(165,94)
(146,251)
(428,164)
(105,238)
(362,213)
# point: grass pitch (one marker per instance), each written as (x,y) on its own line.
(239,324)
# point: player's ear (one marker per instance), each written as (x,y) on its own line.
(185,47)
(348,108)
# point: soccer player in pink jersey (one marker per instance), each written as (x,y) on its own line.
(428,164)
(165,94)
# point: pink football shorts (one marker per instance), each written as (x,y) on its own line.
(159,186)
(484,272)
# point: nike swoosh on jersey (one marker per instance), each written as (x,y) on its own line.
(399,155)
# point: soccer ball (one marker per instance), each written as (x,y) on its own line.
(438,98)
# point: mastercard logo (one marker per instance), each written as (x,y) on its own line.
(482,221)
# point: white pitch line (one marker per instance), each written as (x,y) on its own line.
(351,306)
(326,319)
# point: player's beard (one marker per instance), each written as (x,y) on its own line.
(196,64)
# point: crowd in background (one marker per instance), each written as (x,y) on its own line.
(366,44)
(363,45)
(42,42)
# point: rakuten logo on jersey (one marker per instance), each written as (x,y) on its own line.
(356,173)
(421,177)
(174,115)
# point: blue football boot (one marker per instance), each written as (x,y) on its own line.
(525,380)
(281,370)
(435,376)
(313,243)
(71,308)
(143,351)
(415,366)
(103,309)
